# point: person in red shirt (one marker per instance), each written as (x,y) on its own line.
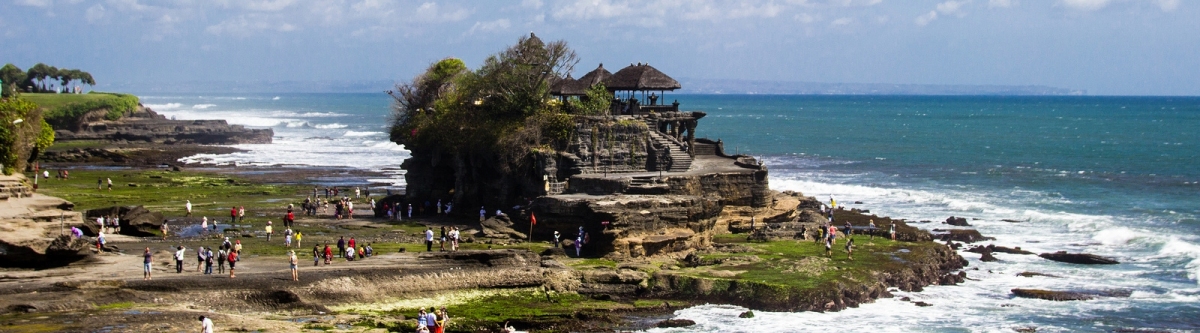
(232,215)
(233,258)
(289,219)
(351,243)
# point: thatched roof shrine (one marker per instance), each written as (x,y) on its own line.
(641,77)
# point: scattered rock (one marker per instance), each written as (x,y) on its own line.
(675,323)
(922,304)
(988,257)
(963,235)
(958,221)
(747,314)
(1051,295)
(1079,258)
(1033,274)
(1001,249)
(1030,329)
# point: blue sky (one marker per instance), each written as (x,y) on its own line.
(1121,47)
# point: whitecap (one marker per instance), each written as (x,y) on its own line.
(203,106)
(330,126)
(357,133)
(167,106)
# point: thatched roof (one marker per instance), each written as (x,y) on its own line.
(641,77)
(564,86)
(597,75)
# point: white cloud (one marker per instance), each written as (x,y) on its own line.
(244,26)
(128,5)
(926,18)
(268,5)
(1085,4)
(1168,5)
(431,12)
(841,21)
(1001,3)
(952,8)
(95,13)
(805,18)
(535,4)
(490,26)
(35,3)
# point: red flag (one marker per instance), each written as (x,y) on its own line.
(532,219)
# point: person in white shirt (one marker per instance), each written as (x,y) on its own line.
(206,325)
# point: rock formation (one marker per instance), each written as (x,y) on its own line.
(1078,258)
(33,227)
(147,126)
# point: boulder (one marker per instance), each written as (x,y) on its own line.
(962,235)
(958,221)
(1033,274)
(1001,249)
(1079,258)
(675,323)
(1051,295)
(500,227)
(988,257)
(134,221)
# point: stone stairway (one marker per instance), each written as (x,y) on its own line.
(680,160)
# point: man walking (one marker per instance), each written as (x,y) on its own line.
(146,264)
(428,239)
(179,260)
(341,244)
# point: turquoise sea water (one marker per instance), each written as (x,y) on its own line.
(1114,176)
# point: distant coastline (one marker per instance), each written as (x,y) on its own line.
(692,86)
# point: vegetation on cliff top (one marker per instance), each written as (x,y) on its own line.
(24,134)
(503,108)
(40,78)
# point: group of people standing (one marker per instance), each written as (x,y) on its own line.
(452,237)
(346,249)
(433,321)
(227,252)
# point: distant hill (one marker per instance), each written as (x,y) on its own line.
(740,87)
(218,87)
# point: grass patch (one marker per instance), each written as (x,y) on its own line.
(474,310)
(115,306)
(591,263)
(64,110)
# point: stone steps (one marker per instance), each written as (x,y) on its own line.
(680,160)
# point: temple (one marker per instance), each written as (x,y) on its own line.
(638,178)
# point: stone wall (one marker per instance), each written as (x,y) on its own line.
(637,225)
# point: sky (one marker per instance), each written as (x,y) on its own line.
(1106,47)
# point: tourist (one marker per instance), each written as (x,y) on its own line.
(100,240)
(222,254)
(482,214)
(294,262)
(433,321)
(351,245)
(422,322)
(850,248)
(410,211)
(362,252)
(206,325)
(233,259)
(500,213)
(287,238)
(442,241)
(316,252)
(428,239)
(109,184)
(226,244)
(269,230)
(100,223)
(892,230)
(204,224)
(341,244)
(356,192)
(179,260)
(208,260)
(233,215)
(350,254)
(439,206)
(164,229)
(444,319)
(370,251)
(454,239)
(237,247)
(99,184)
(449,205)
(349,209)
(146,260)
(579,241)
(188,207)
(241,214)
(299,236)
(328,254)
(199,258)
(557,239)
(828,247)
(871,226)
(849,229)
(289,220)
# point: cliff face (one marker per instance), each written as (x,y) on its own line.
(147,126)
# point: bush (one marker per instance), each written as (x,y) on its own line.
(69,115)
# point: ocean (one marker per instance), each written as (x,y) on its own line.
(1113,176)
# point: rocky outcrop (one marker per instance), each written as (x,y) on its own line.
(32,228)
(629,225)
(500,227)
(1001,249)
(957,221)
(961,235)
(133,220)
(1079,258)
(148,126)
(1055,295)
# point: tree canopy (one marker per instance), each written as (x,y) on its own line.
(23,133)
(41,78)
(503,107)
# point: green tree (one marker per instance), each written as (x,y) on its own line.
(12,76)
(595,102)
(21,124)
